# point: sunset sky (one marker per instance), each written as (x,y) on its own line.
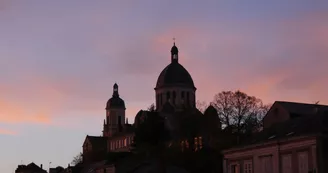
(59,60)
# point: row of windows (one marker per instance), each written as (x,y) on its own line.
(266,164)
(247,167)
(106,170)
(160,101)
(122,143)
(198,144)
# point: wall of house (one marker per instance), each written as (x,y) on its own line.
(276,114)
(120,144)
(322,150)
(274,154)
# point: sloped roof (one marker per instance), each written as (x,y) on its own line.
(30,167)
(302,108)
(305,125)
(97,141)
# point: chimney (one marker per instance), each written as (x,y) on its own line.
(41,166)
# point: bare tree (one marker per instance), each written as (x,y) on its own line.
(239,111)
(201,106)
(77,159)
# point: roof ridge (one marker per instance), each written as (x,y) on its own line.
(301,103)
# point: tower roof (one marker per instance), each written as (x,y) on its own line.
(115,101)
(174,49)
(175,74)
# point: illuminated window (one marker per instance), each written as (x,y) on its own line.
(125,142)
(200,141)
(182,145)
(248,167)
(303,162)
(187,144)
(196,143)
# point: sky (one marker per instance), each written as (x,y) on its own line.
(59,60)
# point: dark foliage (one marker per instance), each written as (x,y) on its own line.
(115,156)
(77,159)
(151,108)
(151,132)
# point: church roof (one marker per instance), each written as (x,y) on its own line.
(97,141)
(174,74)
(115,101)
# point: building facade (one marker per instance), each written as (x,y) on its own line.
(294,140)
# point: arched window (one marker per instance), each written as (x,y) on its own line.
(188,99)
(174,97)
(168,96)
(161,99)
(157,99)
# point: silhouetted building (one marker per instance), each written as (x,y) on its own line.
(30,168)
(176,103)
(117,133)
(294,139)
(175,85)
(58,169)
(175,97)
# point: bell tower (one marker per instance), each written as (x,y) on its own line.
(174,53)
(115,114)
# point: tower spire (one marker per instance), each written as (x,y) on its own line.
(174,53)
(115,90)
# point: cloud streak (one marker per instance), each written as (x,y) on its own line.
(7,132)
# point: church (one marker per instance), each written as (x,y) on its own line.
(175,95)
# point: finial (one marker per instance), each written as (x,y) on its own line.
(174,41)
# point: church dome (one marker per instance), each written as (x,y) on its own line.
(174,74)
(115,102)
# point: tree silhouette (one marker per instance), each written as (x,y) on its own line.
(239,111)
(77,159)
(151,108)
(151,132)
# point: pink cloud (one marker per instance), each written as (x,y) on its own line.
(288,63)
(13,113)
(7,132)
